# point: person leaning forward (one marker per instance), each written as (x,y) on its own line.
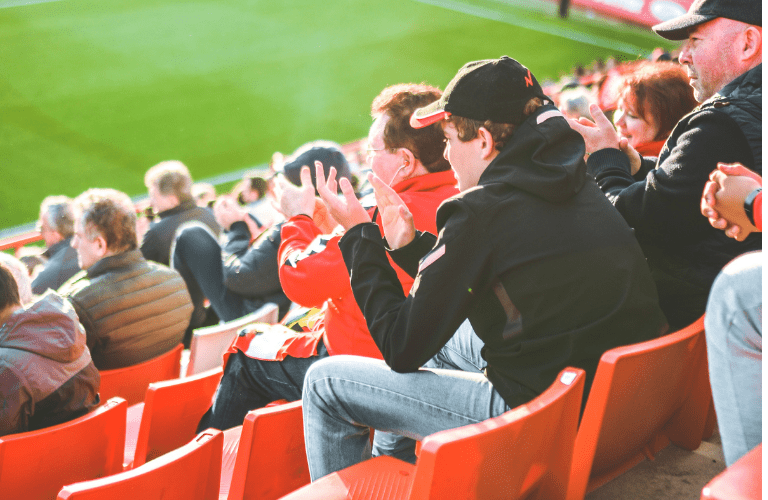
(547,272)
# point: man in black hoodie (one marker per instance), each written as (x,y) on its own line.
(546,270)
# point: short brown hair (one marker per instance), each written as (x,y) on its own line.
(170,177)
(468,128)
(9,290)
(111,214)
(399,102)
(659,93)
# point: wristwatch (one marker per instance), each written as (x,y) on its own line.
(749,204)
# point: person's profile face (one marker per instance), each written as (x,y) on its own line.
(637,129)
(707,56)
(463,157)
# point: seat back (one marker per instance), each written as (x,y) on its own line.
(172,410)
(644,396)
(210,343)
(271,458)
(131,382)
(741,481)
(524,453)
(36,464)
(190,473)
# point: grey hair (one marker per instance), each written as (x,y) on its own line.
(58,212)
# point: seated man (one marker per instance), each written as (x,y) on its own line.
(132,309)
(241,276)
(170,194)
(547,272)
(733,202)
(312,271)
(659,197)
(46,373)
(56,227)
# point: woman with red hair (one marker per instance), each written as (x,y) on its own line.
(652,99)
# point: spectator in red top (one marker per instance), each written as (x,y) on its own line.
(271,365)
(652,99)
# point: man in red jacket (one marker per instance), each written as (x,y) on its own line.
(270,365)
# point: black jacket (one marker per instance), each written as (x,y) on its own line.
(547,271)
(251,270)
(61,265)
(662,201)
(157,241)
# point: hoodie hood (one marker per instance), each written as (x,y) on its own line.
(54,324)
(544,157)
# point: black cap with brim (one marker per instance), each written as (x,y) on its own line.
(491,89)
(702,11)
(677,29)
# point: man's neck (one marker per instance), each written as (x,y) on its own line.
(6,313)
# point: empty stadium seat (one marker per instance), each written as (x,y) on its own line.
(210,343)
(131,382)
(169,416)
(35,465)
(524,453)
(189,473)
(266,458)
(643,396)
(741,481)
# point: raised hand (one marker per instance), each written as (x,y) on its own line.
(396,219)
(295,200)
(598,135)
(347,211)
(227,211)
(722,201)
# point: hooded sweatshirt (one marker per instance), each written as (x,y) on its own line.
(547,271)
(46,373)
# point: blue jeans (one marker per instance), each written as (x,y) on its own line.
(735,350)
(462,352)
(344,396)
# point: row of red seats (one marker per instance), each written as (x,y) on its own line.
(643,397)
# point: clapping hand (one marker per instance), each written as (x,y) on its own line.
(347,211)
(294,200)
(396,219)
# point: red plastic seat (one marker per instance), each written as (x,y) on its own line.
(643,396)
(131,382)
(524,453)
(209,344)
(741,481)
(35,465)
(189,473)
(265,459)
(168,417)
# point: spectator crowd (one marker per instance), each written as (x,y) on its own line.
(501,231)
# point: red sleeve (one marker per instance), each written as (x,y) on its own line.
(757,209)
(312,269)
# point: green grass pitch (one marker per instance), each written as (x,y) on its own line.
(93,93)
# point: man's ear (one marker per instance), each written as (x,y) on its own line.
(101,245)
(408,161)
(487,144)
(752,43)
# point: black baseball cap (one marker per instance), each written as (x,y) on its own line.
(702,11)
(327,152)
(492,89)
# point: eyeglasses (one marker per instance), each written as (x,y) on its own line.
(371,152)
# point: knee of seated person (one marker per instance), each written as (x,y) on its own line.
(330,368)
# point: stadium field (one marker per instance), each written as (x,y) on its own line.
(93,93)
